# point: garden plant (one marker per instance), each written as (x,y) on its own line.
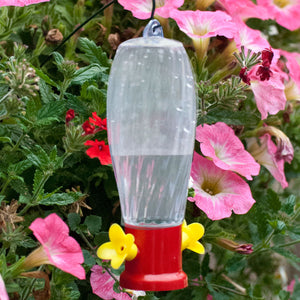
(58,194)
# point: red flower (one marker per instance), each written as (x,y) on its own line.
(97,121)
(88,128)
(99,150)
(264,72)
(70,115)
(244,76)
(267,56)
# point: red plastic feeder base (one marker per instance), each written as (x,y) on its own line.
(158,264)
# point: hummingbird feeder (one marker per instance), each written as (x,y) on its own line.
(151,118)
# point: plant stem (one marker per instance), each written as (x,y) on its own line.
(16,146)
(6,95)
(30,287)
(5,186)
(228,289)
(289,244)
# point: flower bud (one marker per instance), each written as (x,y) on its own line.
(235,247)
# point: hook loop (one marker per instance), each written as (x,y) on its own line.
(153,28)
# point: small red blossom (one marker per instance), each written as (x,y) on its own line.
(99,150)
(70,115)
(244,75)
(97,121)
(267,56)
(88,128)
(264,73)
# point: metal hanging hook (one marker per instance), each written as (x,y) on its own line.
(153,28)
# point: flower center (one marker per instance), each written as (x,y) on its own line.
(282,3)
(159,3)
(100,147)
(211,188)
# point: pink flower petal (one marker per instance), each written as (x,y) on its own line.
(102,285)
(274,99)
(218,192)
(20,2)
(3,292)
(287,15)
(203,24)
(265,154)
(244,9)
(63,251)
(249,38)
(219,142)
(293,65)
(142,9)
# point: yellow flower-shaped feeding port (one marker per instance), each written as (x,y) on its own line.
(190,236)
(121,247)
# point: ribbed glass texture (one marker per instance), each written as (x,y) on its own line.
(151,116)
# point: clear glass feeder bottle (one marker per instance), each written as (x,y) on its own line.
(151,116)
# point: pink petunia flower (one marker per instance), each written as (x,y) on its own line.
(293,65)
(286,13)
(218,192)
(57,247)
(3,292)
(99,150)
(274,100)
(249,38)
(204,24)
(244,9)
(20,2)
(284,146)
(142,9)
(265,153)
(219,143)
(102,285)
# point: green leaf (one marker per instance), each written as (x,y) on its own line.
(87,73)
(230,117)
(61,198)
(5,139)
(27,243)
(284,295)
(25,199)
(273,201)
(58,58)
(20,167)
(93,224)
(37,181)
(1,198)
(73,221)
(46,92)
(116,287)
(289,204)
(289,255)
(52,110)
(79,106)
(89,260)
(93,53)
(236,264)
(45,77)
(278,225)
(40,158)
